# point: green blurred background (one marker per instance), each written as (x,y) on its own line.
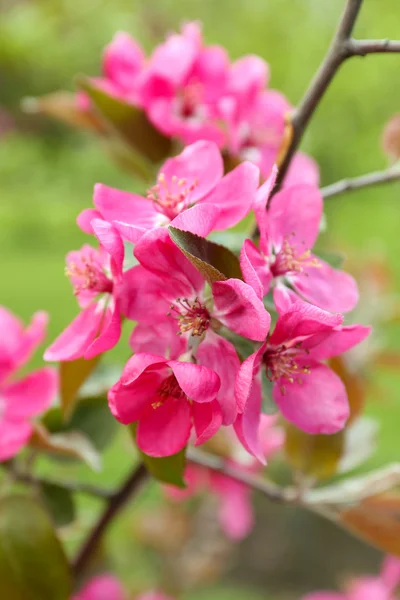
(47,174)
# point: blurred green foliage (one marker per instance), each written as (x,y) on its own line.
(47,171)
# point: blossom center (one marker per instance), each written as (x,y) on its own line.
(171,197)
(190,98)
(291,260)
(169,388)
(87,274)
(282,362)
(192,316)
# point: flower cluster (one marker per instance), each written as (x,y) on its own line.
(381,587)
(190,92)
(186,378)
(25,397)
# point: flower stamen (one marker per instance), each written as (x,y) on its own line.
(171,198)
(193,317)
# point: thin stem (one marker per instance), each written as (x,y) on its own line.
(72,486)
(365,47)
(114,505)
(338,52)
(271,490)
(356,183)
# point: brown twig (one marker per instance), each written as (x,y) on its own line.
(114,505)
(342,47)
(356,183)
(271,490)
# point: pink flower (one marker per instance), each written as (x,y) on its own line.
(104,587)
(182,86)
(168,297)
(235,504)
(21,399)
(166,398)
(191,193)
(284,262)
(307,392)
(382,587)
(95,276)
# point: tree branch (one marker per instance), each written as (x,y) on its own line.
(356,183)
(271,490)
(114,505)
(338,52)
(365,47)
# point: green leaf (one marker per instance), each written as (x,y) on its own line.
(130,123)
(73,374)
(334,259)
(313,455)
(59,502)
(33,565)
(215,262)
(168,469)
(92,417)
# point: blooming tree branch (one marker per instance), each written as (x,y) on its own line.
(114,505)
(368,180)
(341,48)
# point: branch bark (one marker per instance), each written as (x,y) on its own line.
(365,47)
(369,180)
(114,505)
(271,490)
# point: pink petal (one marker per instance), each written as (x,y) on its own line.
(284,298)
(110,331)
(199,383)
(135,391)
(172,60)
(18,345)
(245,377)
(340,340)
(144,297)
(211,68)
(103,587)
(240,309)
(165,430)
(303,169)
(195,477)
(249,74)
(327,287)
(295,214)
(73,342)
(236,511)
(123,59)
(318,405)
(160,338)
(235,194)
(303,320)
(255,269)
(130,233)
(199,219)
(247,425)
(216,353)
(157,253)
(260,208)
(85,218)
(390,572)
(202,163)
(116,205)
(13,437)
(207,420)
(111,241)
(31,395)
